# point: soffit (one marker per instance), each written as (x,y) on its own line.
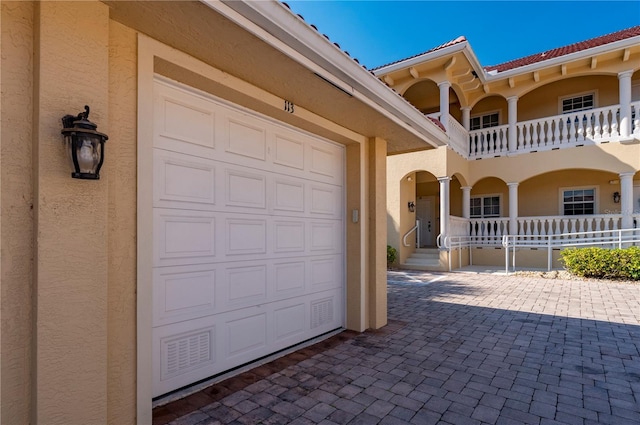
(196,29)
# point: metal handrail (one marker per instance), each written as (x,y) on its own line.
(618,237)
(415,228)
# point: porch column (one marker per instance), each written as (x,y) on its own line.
(512,139)
(624,87)
(513,208)
(626,199)
(444,206)
(466,117)
(466,201)
(444,103)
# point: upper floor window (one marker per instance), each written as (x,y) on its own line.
(483,121)
(578,201)
(577,103)
(485,206)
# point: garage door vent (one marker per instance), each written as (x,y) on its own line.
(321,312)
(187,353)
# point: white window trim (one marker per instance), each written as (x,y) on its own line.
(482,114)
(569,96)
(596,198)
(488,195)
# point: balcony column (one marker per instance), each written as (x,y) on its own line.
(624,87)
(466,117)
(626,199)
(466,201)
(512,138)
(444,206)
(444,104)
(513,208)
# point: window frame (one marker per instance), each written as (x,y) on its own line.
(574,95)
(485,114)
(596,196)
(482,197)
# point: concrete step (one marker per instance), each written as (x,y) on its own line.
(425,261)
(421,267)
(426,255)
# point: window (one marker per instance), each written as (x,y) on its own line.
(578,201)
(577,103)
(484,121)
(485,206)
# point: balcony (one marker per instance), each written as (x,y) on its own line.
(601,125)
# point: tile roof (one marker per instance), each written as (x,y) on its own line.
(565,50)
(458,40)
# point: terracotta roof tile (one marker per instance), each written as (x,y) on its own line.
(458,40)
(566,50)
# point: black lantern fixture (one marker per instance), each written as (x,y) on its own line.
(616,197)
(412,206)
(84,145)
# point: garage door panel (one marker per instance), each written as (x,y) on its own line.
(245,189)
(184,122)
(246,140)
(183,180)
(184,237)
(248,237)
(184,293)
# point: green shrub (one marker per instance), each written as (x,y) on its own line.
(603,263)
(392,255)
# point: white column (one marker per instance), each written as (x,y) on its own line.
(444,206)
(626,199)
(512,139)
(513,208)
(466,201)
(624,87)
(444,103)
(466,117)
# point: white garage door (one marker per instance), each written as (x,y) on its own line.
(248,236)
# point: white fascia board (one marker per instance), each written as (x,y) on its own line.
(276,25)
(594,51)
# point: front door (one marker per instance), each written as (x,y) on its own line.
(424,213)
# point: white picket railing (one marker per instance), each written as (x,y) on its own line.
(488,231)
(535,227)
(458,226)
(635,121)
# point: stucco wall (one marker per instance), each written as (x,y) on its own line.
(16,211)
(121,168)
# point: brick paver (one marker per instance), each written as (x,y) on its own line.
(460,348)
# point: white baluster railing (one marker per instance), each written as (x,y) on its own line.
(488,142)
(489,230)
(538,228)
(593,125)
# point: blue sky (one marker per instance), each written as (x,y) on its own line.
(379,32)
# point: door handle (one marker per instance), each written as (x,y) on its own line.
(429,226)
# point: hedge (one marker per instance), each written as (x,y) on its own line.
(603,263)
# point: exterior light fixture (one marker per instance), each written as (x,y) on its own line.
(84,145)
(616,197)
(412,206)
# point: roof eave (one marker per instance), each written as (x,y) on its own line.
(621,44)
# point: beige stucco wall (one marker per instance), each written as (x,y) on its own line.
(16,211)
(121,169)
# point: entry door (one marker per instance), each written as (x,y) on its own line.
(424,213)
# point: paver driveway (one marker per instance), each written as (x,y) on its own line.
(459,349)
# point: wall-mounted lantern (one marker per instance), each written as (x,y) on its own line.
(85,145)
(412,206)
(616,197)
